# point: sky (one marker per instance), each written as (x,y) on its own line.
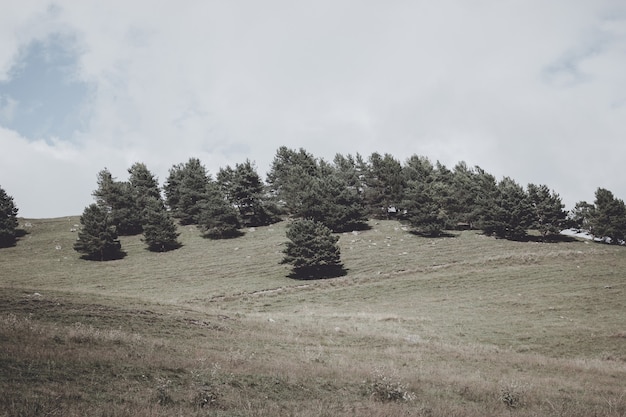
(530,89)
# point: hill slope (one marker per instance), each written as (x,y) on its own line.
(463,325)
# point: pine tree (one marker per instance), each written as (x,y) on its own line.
(289,176)
(608,220)
(312,250)
(8,219)
(119,200)
(548,216)
(186,190)
(97,238)
(506,214)
(423,213)
(383,185)
(217,218)
(330,200)
(159,230)
(243,188)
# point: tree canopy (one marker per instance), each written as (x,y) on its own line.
(97,237)
(8,219)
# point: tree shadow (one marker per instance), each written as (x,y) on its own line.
(107,257)
(164,248)
(354,227)
(12,241)
(231,234)
(553,238)
(443,234)
(320,272)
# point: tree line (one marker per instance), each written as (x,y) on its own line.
(323,197)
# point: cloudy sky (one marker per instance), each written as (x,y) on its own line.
(531,89)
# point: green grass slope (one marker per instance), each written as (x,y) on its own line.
(465,325)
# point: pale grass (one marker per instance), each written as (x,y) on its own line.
(455,321)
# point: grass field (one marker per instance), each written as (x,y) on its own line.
(464,325)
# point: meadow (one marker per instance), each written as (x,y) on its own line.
(464,325)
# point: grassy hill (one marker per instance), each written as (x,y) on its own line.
(465,325)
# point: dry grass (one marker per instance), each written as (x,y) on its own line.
(464,325)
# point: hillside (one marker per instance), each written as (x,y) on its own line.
(464,325)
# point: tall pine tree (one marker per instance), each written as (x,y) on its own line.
(97,237)
(159,230)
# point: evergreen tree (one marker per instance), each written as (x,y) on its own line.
(608,220)
(312,250)
(244,189)
(329,200)
(508,215)
(186,190)
(349,169)
(8,219)
(119,200)
(548,216)
(97,238)
(217,218)
(159,230)
(171,188)
(424,213)
(581,216)
(290,175)
(383,185)
(143,182)
(466,190)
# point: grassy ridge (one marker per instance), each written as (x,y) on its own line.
(464,325)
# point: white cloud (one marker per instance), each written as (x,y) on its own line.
(525,89)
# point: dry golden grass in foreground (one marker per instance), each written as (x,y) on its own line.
(458,326)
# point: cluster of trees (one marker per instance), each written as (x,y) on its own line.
(429,197)
(322,197)
(125,208)
(219,208)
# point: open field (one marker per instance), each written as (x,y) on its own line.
(465,325)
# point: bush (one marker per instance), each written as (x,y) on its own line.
(388,389)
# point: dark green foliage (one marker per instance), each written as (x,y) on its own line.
(97,238)
(243,188)
(317,190)
(8,219)
(350,171)
(328,199)
(384,185)
(186,190)
(143,183)
(159,230)
(508,215)
(581,215)
(118,198)
(548,216)
(312,250)
(290,176)
(608,218)
(425,197)
(466,193)
(218,219)
(423,212)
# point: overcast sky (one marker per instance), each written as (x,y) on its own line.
(531,89)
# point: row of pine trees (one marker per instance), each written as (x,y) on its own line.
(336,196)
